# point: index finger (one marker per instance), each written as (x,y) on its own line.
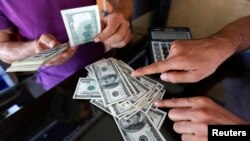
(175,102)
(49,40)
(158,67)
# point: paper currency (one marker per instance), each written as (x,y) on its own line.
(82,24)
(87,89)
(139,128)
(32,63)
(157,117)
(99,103)
(129,100)
(120,108)
(111,83)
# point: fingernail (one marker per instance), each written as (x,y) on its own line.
(96,40)
(133,73)
(157,103)
(51,44)
(47,64)
(164,77)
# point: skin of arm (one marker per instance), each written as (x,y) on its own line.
(193,60)
(13,48)
(122,6)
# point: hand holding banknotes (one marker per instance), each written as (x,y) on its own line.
(47,50)
(47,41)
(116,31)
(76,22)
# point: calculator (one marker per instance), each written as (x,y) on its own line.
(160,40)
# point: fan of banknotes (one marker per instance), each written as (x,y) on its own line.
(82,25)
(129,100)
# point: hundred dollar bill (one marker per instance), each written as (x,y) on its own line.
(144,100)
(138,128)
(112,86)
(33,62)
(99,103)
(120,108)
(158,87)
(150,83)
(82,24)
(87,88)
(130,113)
(21,68)
(42,57)
(157,117)
(148,104)
(144,104)
(131,87)
(142,88)
(158,97)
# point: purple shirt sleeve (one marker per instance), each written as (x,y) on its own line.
(4,21)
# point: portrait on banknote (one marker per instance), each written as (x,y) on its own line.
(109,81)
(134,123)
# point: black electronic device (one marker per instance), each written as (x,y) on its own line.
(160,40)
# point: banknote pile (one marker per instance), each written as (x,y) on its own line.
(129,100)
(82,25)
(33,62)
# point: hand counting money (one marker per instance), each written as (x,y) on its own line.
(32,63)
(82,25)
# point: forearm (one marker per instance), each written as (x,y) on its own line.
(11,51)
(12,48)
(122,6)
(237,33)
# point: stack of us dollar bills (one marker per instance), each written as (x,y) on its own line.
(129,100)
(33,62)
(82,25)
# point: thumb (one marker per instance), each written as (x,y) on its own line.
(48,40)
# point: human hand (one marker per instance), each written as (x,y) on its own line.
(192,116)
(49,41)
(190,60)
(116,32)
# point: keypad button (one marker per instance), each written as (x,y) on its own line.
(156,44)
